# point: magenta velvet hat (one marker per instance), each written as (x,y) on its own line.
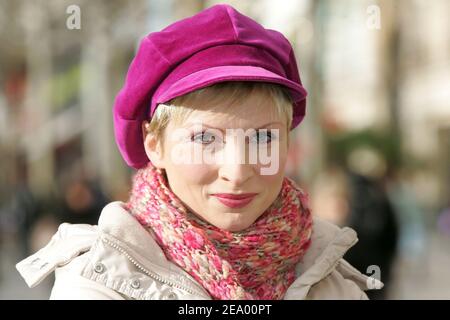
(218,44)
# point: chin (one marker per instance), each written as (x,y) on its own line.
(235,226)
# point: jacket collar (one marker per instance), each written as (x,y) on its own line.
(117,222)
(329,244)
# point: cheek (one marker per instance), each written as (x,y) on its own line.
(193,174)
(181,165)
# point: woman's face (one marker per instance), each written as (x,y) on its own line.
(208,155)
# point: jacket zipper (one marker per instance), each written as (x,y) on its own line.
(147,272)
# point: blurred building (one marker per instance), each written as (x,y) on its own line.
(424,95)
(59,87)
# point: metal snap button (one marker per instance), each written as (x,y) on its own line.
(171,296)
(135,284)
(99,267)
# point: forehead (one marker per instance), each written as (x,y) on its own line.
(250,111)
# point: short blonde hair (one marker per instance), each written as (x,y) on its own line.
(232,92)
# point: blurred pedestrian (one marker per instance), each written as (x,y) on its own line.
(82,201)
(372,215)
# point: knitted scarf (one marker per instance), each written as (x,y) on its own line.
(256,263)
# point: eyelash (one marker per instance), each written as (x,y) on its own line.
(270,136)
(194,136)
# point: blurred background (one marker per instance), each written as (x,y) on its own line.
(373,151)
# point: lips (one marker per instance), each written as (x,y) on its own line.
(235,200)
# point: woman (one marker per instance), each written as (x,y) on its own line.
(203,220)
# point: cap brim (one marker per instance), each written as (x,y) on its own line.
(210,76)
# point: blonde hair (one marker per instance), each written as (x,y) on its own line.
(233,92)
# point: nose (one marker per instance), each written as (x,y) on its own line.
(236,169)
(237,174)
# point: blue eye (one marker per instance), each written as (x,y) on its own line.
(203,138)
(264,136)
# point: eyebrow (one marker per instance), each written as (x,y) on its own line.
(212,127)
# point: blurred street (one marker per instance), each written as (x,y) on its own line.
(425,277)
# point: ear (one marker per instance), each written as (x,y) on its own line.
(152,147)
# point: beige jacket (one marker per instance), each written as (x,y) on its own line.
(119,259)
